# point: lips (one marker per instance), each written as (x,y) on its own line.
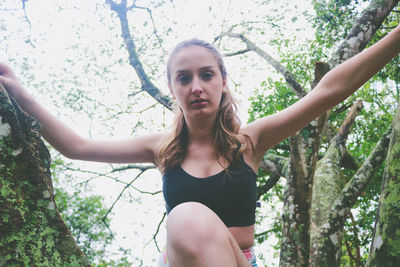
(199,103)
(199,100)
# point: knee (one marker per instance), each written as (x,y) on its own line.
(191,226)
(190,219)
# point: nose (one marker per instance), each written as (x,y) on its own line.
(197,89)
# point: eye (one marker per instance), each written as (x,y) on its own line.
(183,79)
(207,76)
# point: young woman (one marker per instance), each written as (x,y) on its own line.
(209,161)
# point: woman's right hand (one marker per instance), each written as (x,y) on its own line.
(10,81)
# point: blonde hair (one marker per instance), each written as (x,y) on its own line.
(230,143)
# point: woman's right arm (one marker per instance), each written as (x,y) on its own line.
(68,142)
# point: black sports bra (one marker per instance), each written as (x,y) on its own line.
(232,197)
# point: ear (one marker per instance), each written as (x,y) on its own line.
(224,82)
(171,90)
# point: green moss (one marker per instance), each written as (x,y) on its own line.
(394,166)
(29,231)
(386,248)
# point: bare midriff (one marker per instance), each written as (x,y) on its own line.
(244,235)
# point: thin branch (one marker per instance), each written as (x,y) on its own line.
(107,107)
(244,24)
(154,25)
(271,182)
(26,16)
(355,232)
(274,164)
(108,227)
(348,248)
(289,77)
(146,192)
(355,258)
(134,166)
(240,52)
(138,167)
(133,94)
(342,108)
(349,121)
(154,238)
(224,20)
(96,174)
(120,194)
(10,9)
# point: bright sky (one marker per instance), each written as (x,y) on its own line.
(74,48)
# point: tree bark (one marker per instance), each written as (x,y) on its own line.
(121,9)
(295,246)
(31,229)
(385,248)
(327,187)
(329,235)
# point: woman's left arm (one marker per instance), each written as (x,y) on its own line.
(335,86)
(347,77)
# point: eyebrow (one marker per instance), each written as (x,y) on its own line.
(201,69)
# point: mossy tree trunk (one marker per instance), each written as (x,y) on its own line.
(296,242)
(385,248)
(326,239)
(32,233)
(327,184)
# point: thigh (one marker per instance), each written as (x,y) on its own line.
(192,221)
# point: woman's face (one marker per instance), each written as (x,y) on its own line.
(196,81)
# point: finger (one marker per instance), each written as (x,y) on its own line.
(4,69)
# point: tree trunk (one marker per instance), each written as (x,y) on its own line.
(295,246)
(327,187)
(32,233)
(385,248)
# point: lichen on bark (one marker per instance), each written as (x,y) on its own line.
(385,248)
(31,229)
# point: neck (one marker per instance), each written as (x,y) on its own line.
(200,131)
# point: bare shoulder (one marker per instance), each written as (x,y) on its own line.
(154,141)
(257,129)
(150,143)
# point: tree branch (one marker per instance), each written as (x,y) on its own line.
(26,16)
(154,238)
(274,164)
(120,194)
(289,77)
(271,182)
(240,52)
(363,30)
(134,60)
(277,166)
(154,25)
(134,166)
(344,129)
(330,231)
(356,257)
